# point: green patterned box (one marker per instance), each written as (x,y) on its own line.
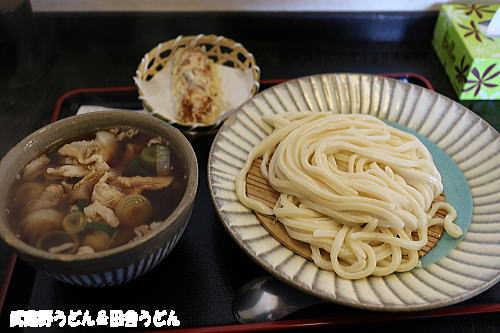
(470,57)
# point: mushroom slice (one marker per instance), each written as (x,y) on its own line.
(83,189)
(28,191)
(35,168)
(50,197)
(38,223)
(98,240)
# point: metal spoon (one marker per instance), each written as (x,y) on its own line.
(266,299)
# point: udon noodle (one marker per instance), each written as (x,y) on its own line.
(353,188)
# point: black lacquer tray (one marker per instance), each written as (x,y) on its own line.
(203,272)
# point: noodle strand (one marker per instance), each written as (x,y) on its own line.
(354,188)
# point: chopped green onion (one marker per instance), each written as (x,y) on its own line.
(75,222)
(148,157)
(100,226)
(162,160)
(134,168)
(82,203)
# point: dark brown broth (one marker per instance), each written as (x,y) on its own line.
(163,201)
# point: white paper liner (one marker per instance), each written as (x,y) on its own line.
(236,86)
(96,108)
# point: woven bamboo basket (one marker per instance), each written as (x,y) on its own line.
(219,49)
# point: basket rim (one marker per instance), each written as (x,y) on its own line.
(142,69)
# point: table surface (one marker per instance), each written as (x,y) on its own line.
(201,275)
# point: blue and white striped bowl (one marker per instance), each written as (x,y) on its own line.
(121,274)
(120,264)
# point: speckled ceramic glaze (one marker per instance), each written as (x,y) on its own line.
(120,264)
(469,267)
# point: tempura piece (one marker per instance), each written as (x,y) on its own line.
(196,86)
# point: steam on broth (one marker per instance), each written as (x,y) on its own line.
(97,192)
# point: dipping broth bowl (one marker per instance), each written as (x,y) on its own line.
(116,265)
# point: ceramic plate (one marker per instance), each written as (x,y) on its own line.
(466,151)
